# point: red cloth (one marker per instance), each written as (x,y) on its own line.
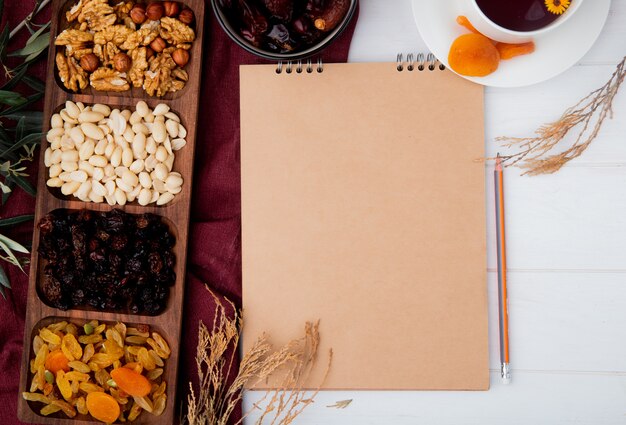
(215,232)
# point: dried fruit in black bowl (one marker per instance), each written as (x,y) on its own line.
(284,26)
(110,261)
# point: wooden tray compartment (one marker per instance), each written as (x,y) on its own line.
(176,214)
(169,371)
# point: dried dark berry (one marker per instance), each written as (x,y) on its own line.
(109,261)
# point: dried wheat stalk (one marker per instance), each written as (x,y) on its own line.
(536,155)
(216,399)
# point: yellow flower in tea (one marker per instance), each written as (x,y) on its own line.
(557,6)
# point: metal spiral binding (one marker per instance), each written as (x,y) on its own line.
(299,66)
(419,62)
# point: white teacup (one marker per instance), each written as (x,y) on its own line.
(494,31)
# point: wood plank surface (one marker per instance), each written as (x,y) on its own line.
(175,214)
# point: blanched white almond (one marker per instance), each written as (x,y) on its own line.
(54,182)
(144,197)
(65,176)
(90,116)
(169,162)
(81,106)
(178,144)
(137,166)
(86,149)
(118,124)
(150,162)
(172,116)
(130,178)
(142,108)
(92,130)
(66,118)
(83,191)
(149,118)
(56,157)
(140,128)
(78,176)
(175,190)
(108,152)
(127,157)
(86,167)
(56,143)
(98,188)
(54,133)
(116,157)
(110,187)
(151,146)
(164,198)
(100,147)
(158,185)
(161,154)
(129,135)
(46,157)
(98,161)
(56,121)
(110,199)
(161,172)
(103,109)
(161,109)
(145,180)
(168,146)
(132,195)
(55,170)
(69,166)
(173,181)
(182,131)
(69,187)
(71,109)
(172,128)
(109,170)
(139,144)
(159,133)
(122,185)
(155,196)
(95,198)
(120,196)
(98,173)
(125,113)
(134,118)
(77,135)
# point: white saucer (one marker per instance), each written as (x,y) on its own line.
(554,53)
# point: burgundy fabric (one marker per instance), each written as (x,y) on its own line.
(214,250)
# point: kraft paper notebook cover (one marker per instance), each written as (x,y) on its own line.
(363,205)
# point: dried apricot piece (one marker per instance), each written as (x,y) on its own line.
(131,382)
(473,55)
(508,51)
(56,361)
(103,407)
(464,22)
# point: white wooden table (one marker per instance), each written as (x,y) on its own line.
(566,241)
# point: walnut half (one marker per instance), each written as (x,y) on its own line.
(71,74)
(106,79)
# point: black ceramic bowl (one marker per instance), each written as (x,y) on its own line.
(232,32)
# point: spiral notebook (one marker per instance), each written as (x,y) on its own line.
(363,206)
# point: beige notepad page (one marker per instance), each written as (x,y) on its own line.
(363,205)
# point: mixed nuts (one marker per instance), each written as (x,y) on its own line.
(114,47)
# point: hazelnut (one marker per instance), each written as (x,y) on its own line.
(170,8)
(154,11)
(138,14)
(186,16)
(122,62)
(181,57)
(158,44)
(149,53)
(89,62)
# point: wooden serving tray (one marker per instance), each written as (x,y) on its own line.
(175,215)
